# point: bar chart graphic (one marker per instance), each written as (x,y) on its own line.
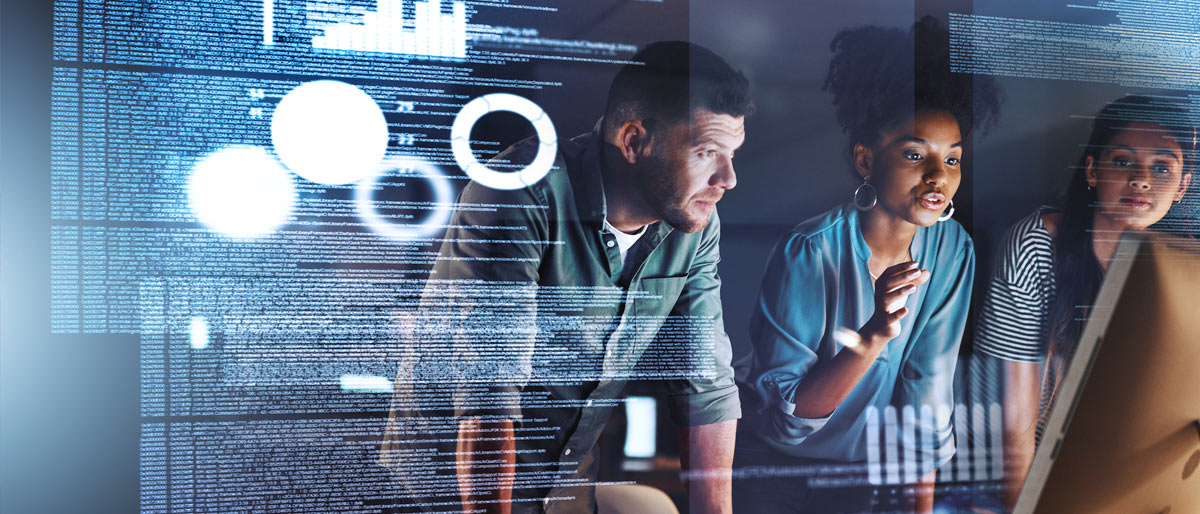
(429,33)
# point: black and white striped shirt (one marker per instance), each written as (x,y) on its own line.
(1014,322)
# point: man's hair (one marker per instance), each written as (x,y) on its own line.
(668,81)
(881,76)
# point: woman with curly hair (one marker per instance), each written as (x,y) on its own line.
(1134,174)
(863,307)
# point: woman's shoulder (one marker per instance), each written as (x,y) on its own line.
(1028,248)
(1035,229)
(824,230)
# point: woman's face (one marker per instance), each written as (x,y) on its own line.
(915,167)
(1137,176)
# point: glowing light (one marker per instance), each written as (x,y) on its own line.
(198,333)
(431,33)
(241,191)
(329,132)
(439,210)
(642,427)
(460,141)
(847,337)
(366,383)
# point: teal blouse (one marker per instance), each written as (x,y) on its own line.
(816,281)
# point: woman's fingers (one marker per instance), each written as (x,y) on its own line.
(895,299)
(900,275)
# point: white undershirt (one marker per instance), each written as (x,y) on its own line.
(624,241)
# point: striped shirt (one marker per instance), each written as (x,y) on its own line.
(1014,323)
(1016,310)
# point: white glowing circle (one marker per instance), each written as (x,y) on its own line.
(439,210)
(460,141)
(241,192)
(329,132)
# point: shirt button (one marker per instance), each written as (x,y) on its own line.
(567,451)
(611,244)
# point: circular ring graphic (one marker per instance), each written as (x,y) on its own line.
(460,141)
(440,208)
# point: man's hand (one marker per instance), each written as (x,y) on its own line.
(487,461)
(707,460)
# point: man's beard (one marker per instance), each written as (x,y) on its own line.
(660,190)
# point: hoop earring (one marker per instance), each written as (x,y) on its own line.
(865,196)
(949,212)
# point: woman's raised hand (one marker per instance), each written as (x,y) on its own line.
(891,292)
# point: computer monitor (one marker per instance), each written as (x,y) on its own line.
(1123,436)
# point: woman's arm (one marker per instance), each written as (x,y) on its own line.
(828,383)
(1021,392)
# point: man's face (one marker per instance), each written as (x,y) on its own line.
(690,167)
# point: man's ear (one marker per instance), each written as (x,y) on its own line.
(632,140)
(1089,171)
(862,160)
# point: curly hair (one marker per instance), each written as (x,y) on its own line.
(882,76)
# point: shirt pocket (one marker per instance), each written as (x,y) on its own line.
(658,295)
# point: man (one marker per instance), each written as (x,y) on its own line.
(546,300)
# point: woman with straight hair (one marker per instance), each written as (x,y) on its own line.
(1134,174)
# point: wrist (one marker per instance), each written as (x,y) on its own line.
(864,342)
(873,341)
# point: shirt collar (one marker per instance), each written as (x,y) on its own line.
(854,222)
(589,185)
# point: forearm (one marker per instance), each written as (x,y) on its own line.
(486,464)
(828,383)
(707,460)
(923,499)
(1021,398)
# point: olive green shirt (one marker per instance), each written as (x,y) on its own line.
(530,315)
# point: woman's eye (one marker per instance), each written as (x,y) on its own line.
(913,156)
(1160,169)
(952,161)
(1121,162)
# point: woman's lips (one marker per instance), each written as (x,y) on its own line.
(1135,202)
(932,201)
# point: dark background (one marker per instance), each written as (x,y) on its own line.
(69,418)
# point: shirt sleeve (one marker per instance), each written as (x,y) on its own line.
(925,386)
(1013,318)
(476,325)
(708,395)
(787,327)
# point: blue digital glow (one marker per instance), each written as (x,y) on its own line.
(241,192)
(460,144)
(198,333)
(439,212)
(641,414)
(329,132)
(365,383)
